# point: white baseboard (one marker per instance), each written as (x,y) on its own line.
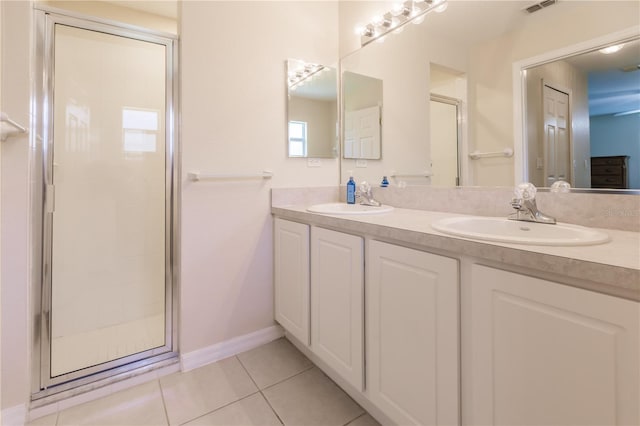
(14,416)
(213,353)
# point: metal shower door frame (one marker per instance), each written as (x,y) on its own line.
(43,384)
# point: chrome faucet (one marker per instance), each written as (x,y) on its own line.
(524,202)
(366,196)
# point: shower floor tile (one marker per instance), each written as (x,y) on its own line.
(271,385)
(105,344)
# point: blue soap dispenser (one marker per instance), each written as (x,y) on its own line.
(385,182)
(351,190)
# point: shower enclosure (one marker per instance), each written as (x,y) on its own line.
(104,203)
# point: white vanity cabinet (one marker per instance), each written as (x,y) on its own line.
(337,302)
(546,353)
(412,335)
(291,276)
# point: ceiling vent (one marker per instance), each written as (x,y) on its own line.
(539,6)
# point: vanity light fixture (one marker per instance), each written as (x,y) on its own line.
(304,73)
(401,14)
(611,49)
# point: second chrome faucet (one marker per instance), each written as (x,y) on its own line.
(524,202)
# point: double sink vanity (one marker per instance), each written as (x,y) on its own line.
(439,310)
(432,317)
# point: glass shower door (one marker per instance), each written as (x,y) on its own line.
(109,204)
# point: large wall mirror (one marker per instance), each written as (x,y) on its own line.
(468,54)
(312,110)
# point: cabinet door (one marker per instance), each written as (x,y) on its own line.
(546,353)
(412,335)
(291,273)
(337,311)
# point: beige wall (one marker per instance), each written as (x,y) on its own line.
(16,17)
(234,121)
(117,13)
(1,62)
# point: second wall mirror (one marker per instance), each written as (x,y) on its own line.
(312,110)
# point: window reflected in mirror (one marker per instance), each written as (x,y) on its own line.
(312,110)
(297,139)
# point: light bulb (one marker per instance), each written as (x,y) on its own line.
(397,9)
(359,30)
(442,7)
(419,20)
(612,49)
(415,11)
(377,20)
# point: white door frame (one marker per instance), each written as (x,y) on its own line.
(458,104)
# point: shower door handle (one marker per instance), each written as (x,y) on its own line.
(50,198)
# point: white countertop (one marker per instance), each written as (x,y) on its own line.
(612,267)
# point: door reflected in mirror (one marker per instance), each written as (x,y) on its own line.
(445,134)
(312,110)
(362,116)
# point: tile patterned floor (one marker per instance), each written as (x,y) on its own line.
(271,385)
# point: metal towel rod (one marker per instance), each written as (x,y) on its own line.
(423,174)
(196,176)
(507,152)
(4,118)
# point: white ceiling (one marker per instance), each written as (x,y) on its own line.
(614,79)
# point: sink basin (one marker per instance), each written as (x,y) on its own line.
(517,232)
(344,208)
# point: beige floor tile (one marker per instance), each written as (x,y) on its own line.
(49,420)
(250,411)
(311,398)
(364,420)
(200,391)
(140,405)
(274,362)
